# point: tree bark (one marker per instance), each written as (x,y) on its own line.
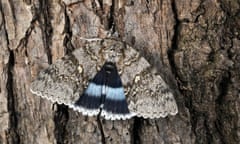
(194,44)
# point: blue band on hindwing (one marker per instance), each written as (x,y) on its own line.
(105,89)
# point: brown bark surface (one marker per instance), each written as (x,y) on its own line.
(194,44)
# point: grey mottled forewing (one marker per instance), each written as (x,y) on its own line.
(151,97)
(148,95)
(63,82)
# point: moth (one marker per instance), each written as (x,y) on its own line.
(107,78)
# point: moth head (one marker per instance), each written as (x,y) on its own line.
(113,50)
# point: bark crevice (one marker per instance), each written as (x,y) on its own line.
(61,118)
(13,114)
(46,27)
(100,126)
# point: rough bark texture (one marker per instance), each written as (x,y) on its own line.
(194,44)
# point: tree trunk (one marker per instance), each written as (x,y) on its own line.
(195,45)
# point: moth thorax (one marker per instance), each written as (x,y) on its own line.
(109,67)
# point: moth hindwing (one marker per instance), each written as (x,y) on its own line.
(121,67)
